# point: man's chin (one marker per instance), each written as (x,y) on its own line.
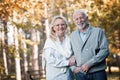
(80,26)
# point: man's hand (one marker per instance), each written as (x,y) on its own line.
(84,67)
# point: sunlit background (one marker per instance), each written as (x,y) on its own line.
(24,26)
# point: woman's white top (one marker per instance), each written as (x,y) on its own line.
(55,59)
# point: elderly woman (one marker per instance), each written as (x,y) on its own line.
(57,51)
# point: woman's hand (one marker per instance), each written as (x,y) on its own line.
(71,61)
(77,69)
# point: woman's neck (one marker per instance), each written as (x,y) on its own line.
(61,38)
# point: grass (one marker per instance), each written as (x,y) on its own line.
(113,76)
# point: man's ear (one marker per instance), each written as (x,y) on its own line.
(74,22)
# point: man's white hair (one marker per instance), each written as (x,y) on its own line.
(83,11)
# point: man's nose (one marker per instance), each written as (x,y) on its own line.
(79,19)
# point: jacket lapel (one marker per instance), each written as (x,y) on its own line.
(87,36)
(78,40)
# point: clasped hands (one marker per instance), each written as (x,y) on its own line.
(83,68)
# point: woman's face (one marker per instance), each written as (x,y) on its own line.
(59,27)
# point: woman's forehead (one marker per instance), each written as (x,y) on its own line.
(59,21)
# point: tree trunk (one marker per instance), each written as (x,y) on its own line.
(35,66)
(47,28)
(4,44)
(10,39)
(23,45)
(17,56)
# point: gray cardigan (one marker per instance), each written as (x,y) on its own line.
(92,52)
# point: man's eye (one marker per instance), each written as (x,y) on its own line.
(62,24)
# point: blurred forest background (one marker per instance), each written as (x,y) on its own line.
(24,26)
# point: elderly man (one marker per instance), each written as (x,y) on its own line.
(90,49)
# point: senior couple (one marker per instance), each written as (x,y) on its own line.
(81,53)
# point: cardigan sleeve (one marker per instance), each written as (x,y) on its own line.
(103,50)
(55,59)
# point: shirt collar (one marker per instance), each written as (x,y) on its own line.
(86,31)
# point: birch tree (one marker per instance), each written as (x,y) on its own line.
(4,43)
(17,56)
(24,48)
(35,38)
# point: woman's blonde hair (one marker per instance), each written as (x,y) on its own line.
(52,32)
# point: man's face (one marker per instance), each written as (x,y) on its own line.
(80,20)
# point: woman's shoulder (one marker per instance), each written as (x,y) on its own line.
(48,43)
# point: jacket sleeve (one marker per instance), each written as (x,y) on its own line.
(74,66)
(55,59)
(103,50)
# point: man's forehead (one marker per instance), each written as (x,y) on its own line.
(79,14)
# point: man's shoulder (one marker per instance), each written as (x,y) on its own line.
(73,32)
(97,29)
